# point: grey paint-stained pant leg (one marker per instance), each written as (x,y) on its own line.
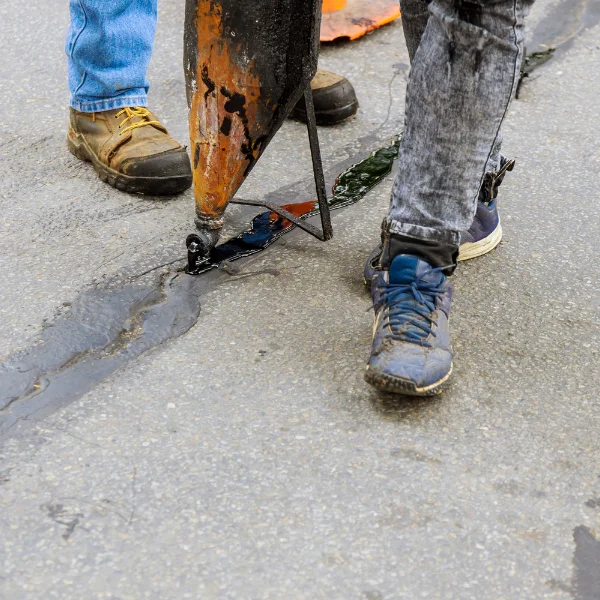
(463,75)
(415,15)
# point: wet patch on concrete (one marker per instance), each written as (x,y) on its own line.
(103,330)
(556,33)
(564,23)
(586,577)
(106,327)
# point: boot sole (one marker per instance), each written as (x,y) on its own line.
(397,385)
(152,186)
(331,117)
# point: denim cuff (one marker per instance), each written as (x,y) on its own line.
(91,106)
(445,236)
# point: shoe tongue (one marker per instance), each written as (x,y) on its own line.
(405,268)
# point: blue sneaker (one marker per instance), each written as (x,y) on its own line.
(485,232)
(411,339)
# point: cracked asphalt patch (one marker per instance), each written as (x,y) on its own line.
(243,456)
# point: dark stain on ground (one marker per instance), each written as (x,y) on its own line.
(556,33)
(5,476)
(412,454)
(566,20)
(60,515)
(104,328)
(586,562)
(593,503)
(555,584)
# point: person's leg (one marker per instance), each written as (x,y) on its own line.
(462,78)
(463,75)
(109,46)
(415,15)
(485,232)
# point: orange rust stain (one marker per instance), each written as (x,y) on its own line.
(358,18)
(220,160)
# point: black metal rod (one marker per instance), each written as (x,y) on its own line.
(315,151)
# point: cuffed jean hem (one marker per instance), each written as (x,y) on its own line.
(445,236)
(92,106)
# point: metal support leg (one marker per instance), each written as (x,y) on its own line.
(315,150)
(326,232)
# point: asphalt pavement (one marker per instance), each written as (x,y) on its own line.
(167,437)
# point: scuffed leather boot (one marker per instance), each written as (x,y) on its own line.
(130,150)
(334,97)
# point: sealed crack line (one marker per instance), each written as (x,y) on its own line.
(103,331)
(107,327)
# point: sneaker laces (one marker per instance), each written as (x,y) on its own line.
(135,111)
(410,308)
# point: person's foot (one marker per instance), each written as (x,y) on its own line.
(411,339)
(130,150)
(334,97)
(485,232)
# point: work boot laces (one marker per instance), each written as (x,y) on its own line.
(132,112)
(410,308)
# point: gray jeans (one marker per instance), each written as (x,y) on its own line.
(465,62)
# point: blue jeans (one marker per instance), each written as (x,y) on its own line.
(109,46)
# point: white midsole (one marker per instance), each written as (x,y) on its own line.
(437,383)
(487,244)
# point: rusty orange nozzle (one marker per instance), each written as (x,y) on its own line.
(330,6)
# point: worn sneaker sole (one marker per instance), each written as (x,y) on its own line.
(396,385)
(470,250)
(153,186)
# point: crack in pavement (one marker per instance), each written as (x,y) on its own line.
(106,327)
(104,330)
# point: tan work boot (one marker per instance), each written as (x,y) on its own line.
(130,150)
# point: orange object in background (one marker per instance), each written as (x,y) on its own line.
(352,19)
(330,6)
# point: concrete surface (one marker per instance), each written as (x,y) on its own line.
(243,456)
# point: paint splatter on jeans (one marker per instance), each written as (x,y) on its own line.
(465,60)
